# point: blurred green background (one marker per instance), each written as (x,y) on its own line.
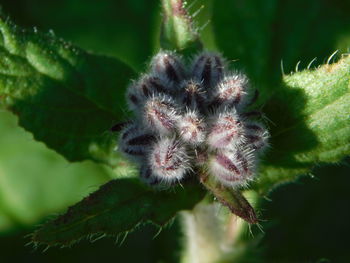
(305,222)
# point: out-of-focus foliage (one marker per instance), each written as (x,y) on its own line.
(36,181)
(66,97)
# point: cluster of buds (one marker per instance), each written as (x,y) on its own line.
(192,117)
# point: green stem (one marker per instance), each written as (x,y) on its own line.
(210,233)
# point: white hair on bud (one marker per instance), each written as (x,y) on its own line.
(147,86)
(191,128)
(161,114)
(146,175)
(169,65)
(208,68)
(168,160)
(189,118)
(134,140)
(233,167)
(226,130)
(230,92)
(193,95)
(256,136)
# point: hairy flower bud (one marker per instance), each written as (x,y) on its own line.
(161,114)
(169,65)
(257,136)
(144,88)
(208,68)
(230,92)
(192,119)
(233,168)
(168,160)
(193,96)
(134,141)
(226,131)
(146,175)
(191,128)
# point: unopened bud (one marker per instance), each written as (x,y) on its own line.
(134,141)
(161,114)
(193,95)
(168,160)
(147,86)
(208,68)
(230,91)
(232,168)
(256,135)
(227,131)
(169,65)
(146,175)
(191,128)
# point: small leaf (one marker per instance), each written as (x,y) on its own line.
(65,96)
(231,198)
(178,31)
(311,113)
(117,208)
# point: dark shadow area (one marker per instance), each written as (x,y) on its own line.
(291,135)
(143,245)
(119,28)
(258,34)
(309,220)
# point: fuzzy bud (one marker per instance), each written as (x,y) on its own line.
(161,115)
(256,135)
(227,131)
(134,141)
(230,92)
(147,86)
(232,168)
(193,95)
(208,69)
(146,175)
(191,128)
(169,65)
(168,160)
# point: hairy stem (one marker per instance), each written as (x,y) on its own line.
(210,233)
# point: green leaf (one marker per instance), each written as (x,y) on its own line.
(35,181)
(258,34)
(107,27)
(311,113)
(117,208)
(307,110)
(178,31)
(65,96)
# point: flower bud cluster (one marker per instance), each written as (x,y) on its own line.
(190,117)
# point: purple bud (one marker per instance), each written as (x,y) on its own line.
(193,95)
(134,141)
(230,91)
(256,136)
(233,168)
(161,114)
(146,175)
(169,65)
(226,131)
(191,128)
(208,68)
(147,86)
(168,160)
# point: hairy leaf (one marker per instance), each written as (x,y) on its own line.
(117,208)
(311,116)
(65,96)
